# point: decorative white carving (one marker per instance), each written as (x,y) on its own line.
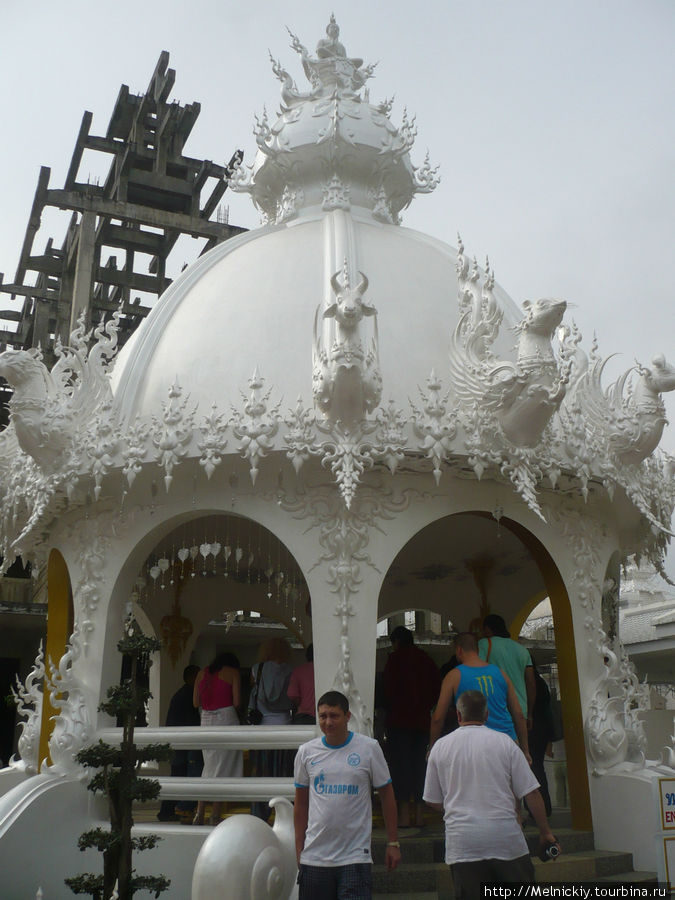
(243,854)
(347,454)
(290,96)
(345,131)
(61,427)
(626,419)
(241,179)
(346,382)
(46,405)
(300,437)
(426,178)
(436,424)
(381,208)
(213,441)
(257,425)
(72,724)
(332,73)
(522,395)
(289,204)
(344,535)
(134,449)
(172,435)
(390,437)
(101,444)
(335,194)
(28,698)
(349,450)
(615,733)
(93,543)
(263,133)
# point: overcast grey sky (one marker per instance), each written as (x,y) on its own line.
(553,123)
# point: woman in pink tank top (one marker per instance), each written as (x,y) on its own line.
(217,693)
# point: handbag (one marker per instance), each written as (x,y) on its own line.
(254,716)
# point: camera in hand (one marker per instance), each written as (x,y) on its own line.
(549,851)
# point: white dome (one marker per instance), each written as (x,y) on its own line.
(251,302)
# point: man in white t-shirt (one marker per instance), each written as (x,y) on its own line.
(475,775)
(334,778)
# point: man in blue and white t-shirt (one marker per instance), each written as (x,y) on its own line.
(334,778)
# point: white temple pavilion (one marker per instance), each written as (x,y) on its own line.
(347,415)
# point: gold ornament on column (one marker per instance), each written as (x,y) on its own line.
(175,630)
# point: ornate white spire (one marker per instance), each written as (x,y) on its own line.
(330,142)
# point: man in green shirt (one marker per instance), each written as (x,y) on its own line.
(498,648)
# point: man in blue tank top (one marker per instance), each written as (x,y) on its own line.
(473,674)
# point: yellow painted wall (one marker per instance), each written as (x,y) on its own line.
(60,618)
(568,676)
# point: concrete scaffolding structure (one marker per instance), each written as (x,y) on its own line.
(151,195)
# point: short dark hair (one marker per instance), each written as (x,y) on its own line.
(497,625)
(467,641)
(334,698)
(189,672)
(472,706)
(224,659)
(402,635)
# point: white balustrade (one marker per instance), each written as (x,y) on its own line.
(244,789)
(232,737)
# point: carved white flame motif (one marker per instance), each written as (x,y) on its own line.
(28,698)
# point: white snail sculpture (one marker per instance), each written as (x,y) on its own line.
(244,859)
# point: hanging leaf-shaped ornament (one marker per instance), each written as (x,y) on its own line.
(155,572)
(194,551)
(238,554)
(183,554)
(163,566)
(215,550)
(205,550)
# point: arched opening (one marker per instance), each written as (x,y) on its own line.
(462,567)
(214,583)
(60,619)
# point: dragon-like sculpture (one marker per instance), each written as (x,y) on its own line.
(522,395)
(47,408)
(629,416)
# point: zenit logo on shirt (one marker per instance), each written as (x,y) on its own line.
(323,787)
